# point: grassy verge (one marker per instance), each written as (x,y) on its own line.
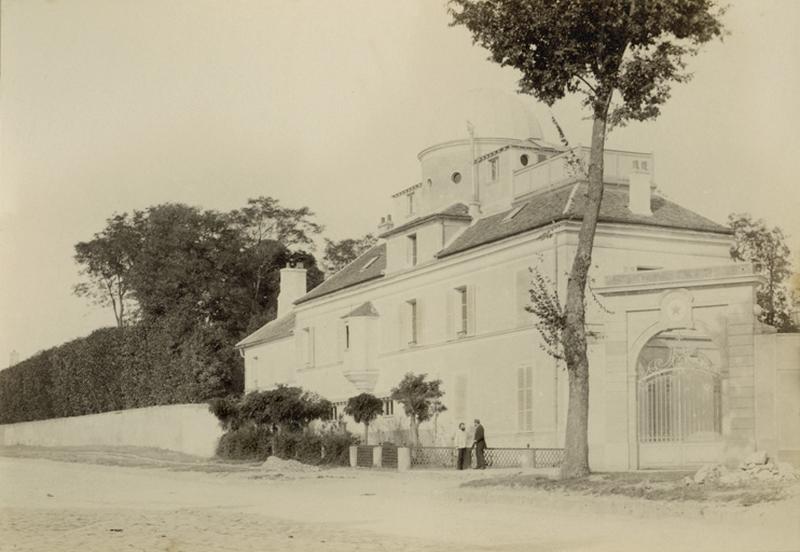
(659,486)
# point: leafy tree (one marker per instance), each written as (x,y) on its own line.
(364,408)
(106,261)
(633,49)
(766,249)
(338,254)
(264,223)
(284,408)
(417,397)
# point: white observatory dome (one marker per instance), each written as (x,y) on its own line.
(493,114)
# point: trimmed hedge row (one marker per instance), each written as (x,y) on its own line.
(116,369)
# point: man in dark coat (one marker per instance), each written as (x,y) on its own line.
(480,445)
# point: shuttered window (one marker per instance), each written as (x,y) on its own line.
(413,321)
(461,311)
(525,398)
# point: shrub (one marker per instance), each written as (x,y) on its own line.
(227,411)
(249,442)
(336,445)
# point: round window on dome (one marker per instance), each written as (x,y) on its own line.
(456,177)
(523,159)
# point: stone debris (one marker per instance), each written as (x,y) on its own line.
(756,467)
(275,464)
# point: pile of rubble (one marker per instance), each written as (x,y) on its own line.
(275,464)
(756,467)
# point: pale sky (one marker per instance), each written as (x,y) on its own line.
(114,106)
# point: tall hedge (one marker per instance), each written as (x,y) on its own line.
(116,368)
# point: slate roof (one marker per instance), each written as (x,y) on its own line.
(365,309)
(568,203)
(565,203)
(457,211)
(363,269)
(271,331)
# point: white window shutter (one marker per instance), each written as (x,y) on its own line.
(311,346)
(420,326)
(471,311)
(402,333)
(450,327)
(341,341)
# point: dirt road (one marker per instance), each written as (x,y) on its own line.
(47,505)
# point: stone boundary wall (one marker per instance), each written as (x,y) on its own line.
(187,428)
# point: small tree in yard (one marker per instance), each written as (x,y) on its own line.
(596,48)
(364,408)
(417,397)
(766,248)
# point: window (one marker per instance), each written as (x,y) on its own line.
(642,268)
(494,168)
(412,322)
(412,250)
(388,407)
(456,177)
(410,204)
(525,398)
(346,337)
(523,159)
(430,183)
(463,311)
(307,344)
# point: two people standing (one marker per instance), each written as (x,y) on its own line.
(464,440)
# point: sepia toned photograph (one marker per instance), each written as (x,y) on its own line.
(372,275)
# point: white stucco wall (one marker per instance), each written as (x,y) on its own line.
(186,428)
(480,371)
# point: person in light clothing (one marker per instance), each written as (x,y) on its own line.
(461,441)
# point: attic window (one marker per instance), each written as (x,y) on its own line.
(515,212)
(523,159)
(369,263)
(456,177)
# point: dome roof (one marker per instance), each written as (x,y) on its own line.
(493,113)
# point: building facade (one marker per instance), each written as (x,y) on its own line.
(673,334)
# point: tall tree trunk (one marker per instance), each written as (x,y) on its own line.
(414,431)
(366,433)
(576,461)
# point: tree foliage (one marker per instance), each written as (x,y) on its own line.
(364,408)
(621,57)
(284,408)
(417,397)
(106,261)
(766,249)
(339,254)
(200,280)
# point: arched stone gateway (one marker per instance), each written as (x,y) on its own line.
(679,400)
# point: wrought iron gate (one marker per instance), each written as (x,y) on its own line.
(679,408)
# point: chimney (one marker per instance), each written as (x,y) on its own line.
(639,193)
(293,287)
(385,224)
